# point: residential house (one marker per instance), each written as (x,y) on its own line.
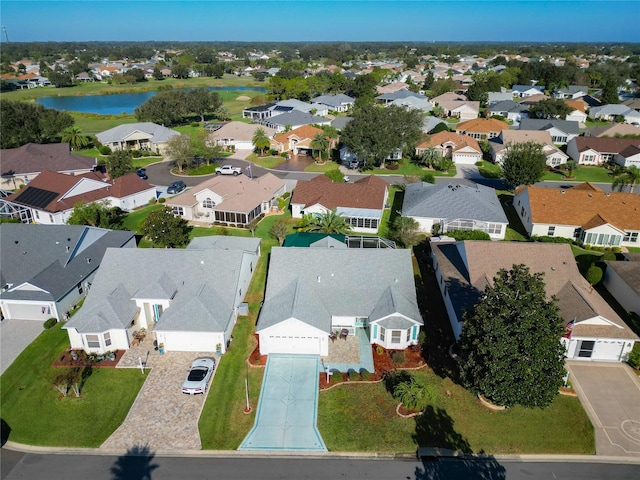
(622,280)
(292,120)
(263,112)
(613,112)
(48,269)
(562,131)
(389,97)
(430,123)
(532,100)
(230,199)
(297,141)
(457,106)
(614,130)
(238,135)
(392,87)
(501,96)
(188,298)
(482,128)
(510,110)
(522,91)
(463,150)
(600,150)
(340,122)
(571,92)
(413,103)
(51,197)
(584,213)
(24,163)
(554,156)
(361,202)
(313,292)
(347,156)
(258,112)
(578,113)
(449,207)
(137,136)
(594,331)
(337,103)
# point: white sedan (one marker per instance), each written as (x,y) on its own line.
(199,375)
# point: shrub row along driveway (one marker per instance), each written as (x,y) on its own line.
(162,417)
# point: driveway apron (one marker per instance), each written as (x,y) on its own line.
(610,394)
(162,417)
(15,336)
(288,406)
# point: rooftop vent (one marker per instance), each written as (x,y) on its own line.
(562,192)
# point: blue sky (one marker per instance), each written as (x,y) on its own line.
(326,20)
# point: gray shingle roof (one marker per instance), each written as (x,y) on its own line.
(222,242)
(159,134)
(333,100)
(294,117)
(451,201)
(399,95)
(567,126)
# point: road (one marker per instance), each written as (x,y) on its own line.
(33,466)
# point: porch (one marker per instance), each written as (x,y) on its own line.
(352,352)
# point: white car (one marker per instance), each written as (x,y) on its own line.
(228,170)
(200,373)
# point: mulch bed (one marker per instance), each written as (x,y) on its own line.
(255,358)
(83,360)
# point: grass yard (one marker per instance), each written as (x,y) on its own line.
(272,161)
(585,258)
(92,124)
(489,170)
(396,196)
(133,220)
(582,174)
(407,167)
(37,416)
(455,421)
(515,229)
(323,167)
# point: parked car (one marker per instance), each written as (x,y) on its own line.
(354,165)
(142,173)
(228,170)
(176,187)
(199,375)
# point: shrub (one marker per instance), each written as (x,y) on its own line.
(335,175)
(153,201)
(594,275)
(379,350)
(428,177)
(398,358)
(104,150)
(545,239)
(634,357)
(336,377)
(162,200)
(469,235)
(616,249)
(393,166)
(136,153)
(195,124)
(365,375)
(354,376)
(286,194)
(50,323)
(608,256)
(394,378)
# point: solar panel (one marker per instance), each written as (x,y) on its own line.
(36,197)
(281,108)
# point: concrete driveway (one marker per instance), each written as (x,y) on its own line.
(15,336)
(610,394)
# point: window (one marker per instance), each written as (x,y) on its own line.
(208,203)
(631,237)
(51,218)
(586,348)
(93,341)
(79,287)
(589,158)
(576,233)
(36,213)
(395,336)
(408,335)
(559,139)
(107,339)
(382,332)
(179,211)
(551,231)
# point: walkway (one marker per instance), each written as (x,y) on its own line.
(288,406)
(353,353)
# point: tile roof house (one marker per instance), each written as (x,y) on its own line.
(24,163)
(48,269)
(50,197)
(455,207)
(137,136)
(312,292)
(361,202)
(463,150)
(238,135)
(189,297)
(499,145)
(456,105)
(298,141)
(464,269)
(230,199)
(562,131)
(584,213)
(622,280)
(600,150)
(481,128)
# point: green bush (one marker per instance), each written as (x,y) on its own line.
(398,358)
(594,275)
(469,235)
(50,323)
(608,256)
(545,239)
(365,375)
(136,153)
(162,200)
(335,175)
(153,201)
(634,356)
(354,376)
(428,177)
(286,194)
(104,150)
(336,377)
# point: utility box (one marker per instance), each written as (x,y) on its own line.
(243,309)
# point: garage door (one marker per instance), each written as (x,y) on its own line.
(26,311)
(294,344)
(608,350)
(188,341)
(244,146)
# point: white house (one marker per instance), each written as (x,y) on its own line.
(137,136)
(600,150)
(238,135)
(313,292)
(189,298)
(561,131)
(462,149)
(584,213)
(500,144)
(622,280)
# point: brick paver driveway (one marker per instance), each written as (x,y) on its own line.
(610,394)
(162,417)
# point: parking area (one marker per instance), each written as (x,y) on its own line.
(610,394)
(15,336)
(162,417)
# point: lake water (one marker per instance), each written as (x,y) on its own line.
(115,104)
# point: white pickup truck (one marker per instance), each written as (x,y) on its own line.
(228,170)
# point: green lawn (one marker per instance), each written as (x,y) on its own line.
(272,161)
(133,220)
(585,258)
(36,414)
(407,167)
(515,229)
(322,167)
(396,196)
(582,174)
(361,417)
(489,170)
(92,124)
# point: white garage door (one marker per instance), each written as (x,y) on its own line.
(294,344)
(25,311)
(188,341)
(462,159)
(244,146)
(608,350)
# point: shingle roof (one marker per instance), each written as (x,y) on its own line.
(158,133)
(566,126)
(333,100)
(605,144)
(34,158)
(580,204)
(629,272)
(240,131)
(367,193)
(295,117)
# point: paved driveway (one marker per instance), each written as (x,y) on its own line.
(15,336)
(610,394)
(288,406)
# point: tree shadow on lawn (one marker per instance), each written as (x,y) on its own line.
(135,464)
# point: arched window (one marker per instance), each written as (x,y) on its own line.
(208,203)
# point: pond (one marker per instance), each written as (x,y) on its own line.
(115,104)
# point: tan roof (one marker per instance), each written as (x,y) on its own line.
(449,97)
(579,205)
(483,259)
(542,137)
(531,99)
(482,125)
(615,129)
(368,192)
(240,131)
(241,193)
(459,141)
(576,104)
(306,131)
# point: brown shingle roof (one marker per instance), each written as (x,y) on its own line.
(368,192)
(581,204)
(605,144)
(34,158)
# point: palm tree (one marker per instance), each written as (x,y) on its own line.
(430,156)
(330,222)
(411,394)
(631,177)
(332,135)
(74,137)
(320,143)
(261,140)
